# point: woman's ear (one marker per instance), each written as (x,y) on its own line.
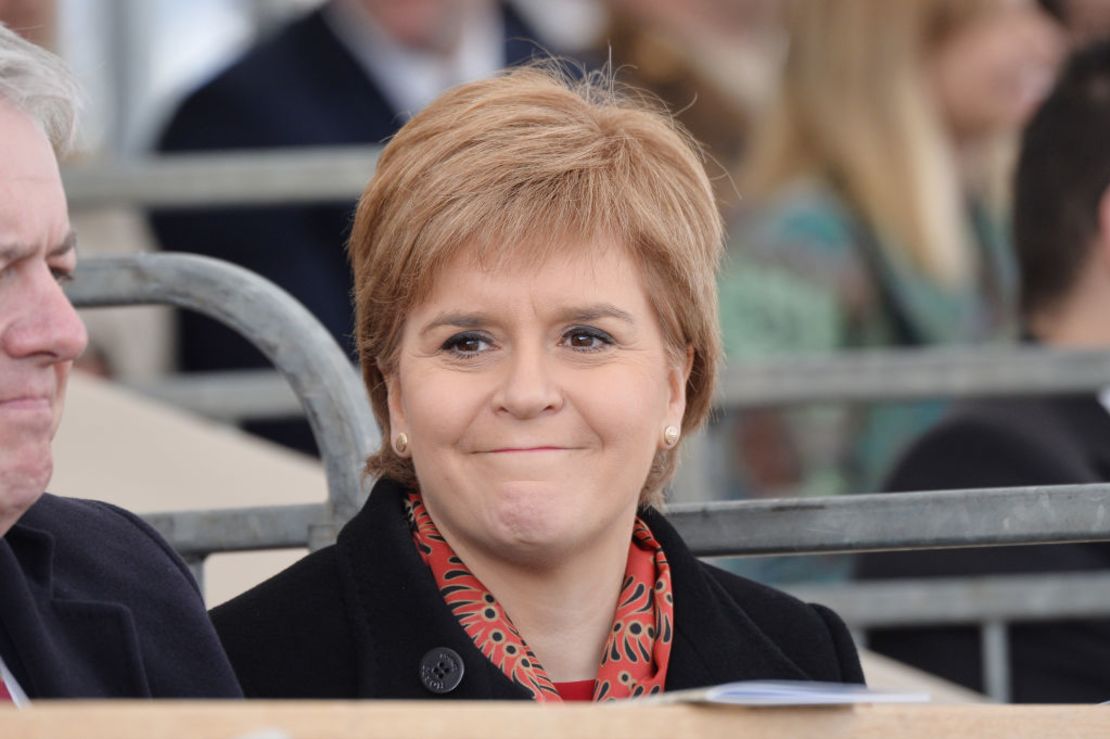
(394,402)
(677,379)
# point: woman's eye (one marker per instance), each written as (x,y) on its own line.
(587,339)
(466,344)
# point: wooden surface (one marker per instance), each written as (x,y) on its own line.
(399,720)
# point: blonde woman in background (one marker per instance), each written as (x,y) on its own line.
(870,217)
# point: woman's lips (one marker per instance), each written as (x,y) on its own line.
(520,450)
(27,403)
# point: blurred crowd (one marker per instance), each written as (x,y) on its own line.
(862,153)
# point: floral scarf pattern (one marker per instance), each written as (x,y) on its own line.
(634,662)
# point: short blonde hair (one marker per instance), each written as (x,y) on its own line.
(517,166)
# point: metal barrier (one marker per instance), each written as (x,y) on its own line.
(989,602)
(250,177)
(894,375)
(339,413)
(290,337)
(859,523)
(917,374)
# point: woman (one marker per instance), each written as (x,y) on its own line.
(872,217)
(536,321)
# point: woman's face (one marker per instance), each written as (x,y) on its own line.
(534,400)
(990,74)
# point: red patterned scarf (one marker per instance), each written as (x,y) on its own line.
(639,646)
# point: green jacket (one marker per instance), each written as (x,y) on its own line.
(804,275)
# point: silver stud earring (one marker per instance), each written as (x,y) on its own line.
(670,436)
(401,443)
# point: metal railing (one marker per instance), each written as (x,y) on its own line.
(329,388)
(893,375)
(247,177)
(990,603)
(289,336)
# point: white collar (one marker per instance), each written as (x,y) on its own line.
(410,78)
(1104,398)
(13,686)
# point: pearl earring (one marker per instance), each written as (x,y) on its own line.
(670,436)
(401,443)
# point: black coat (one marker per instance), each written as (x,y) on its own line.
(94,604)
(357,618)
(1003,443)
(301,87)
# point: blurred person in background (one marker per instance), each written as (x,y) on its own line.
(1085,21)
(712,62)
(34,20)
(1062,240)
(348,72)
(873,215)
(93,603)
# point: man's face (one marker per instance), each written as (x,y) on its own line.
(40,333)
(427,25)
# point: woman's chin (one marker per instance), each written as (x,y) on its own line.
(536,521)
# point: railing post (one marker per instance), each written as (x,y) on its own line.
(996,660)
(195,563)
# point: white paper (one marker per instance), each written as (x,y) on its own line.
(19,698)
(789,693)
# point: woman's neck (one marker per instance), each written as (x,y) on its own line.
(975,158)
(564,609)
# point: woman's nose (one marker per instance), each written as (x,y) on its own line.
(528,387)
(46,323)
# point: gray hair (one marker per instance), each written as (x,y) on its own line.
(39,84)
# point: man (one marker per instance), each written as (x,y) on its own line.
(93,604)
(349,72)
(1062,236)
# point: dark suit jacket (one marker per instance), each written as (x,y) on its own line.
(299,88)
(1002,443)
(94,604)
(355,620)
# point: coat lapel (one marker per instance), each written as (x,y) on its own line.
(397,613)
(62,648)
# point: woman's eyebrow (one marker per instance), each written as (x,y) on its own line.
(595,311)
(592,312)
(456,319)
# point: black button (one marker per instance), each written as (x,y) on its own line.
(441,670)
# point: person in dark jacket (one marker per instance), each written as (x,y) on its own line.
(93,603)
(1062,236)
(349,72)
(534,263)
